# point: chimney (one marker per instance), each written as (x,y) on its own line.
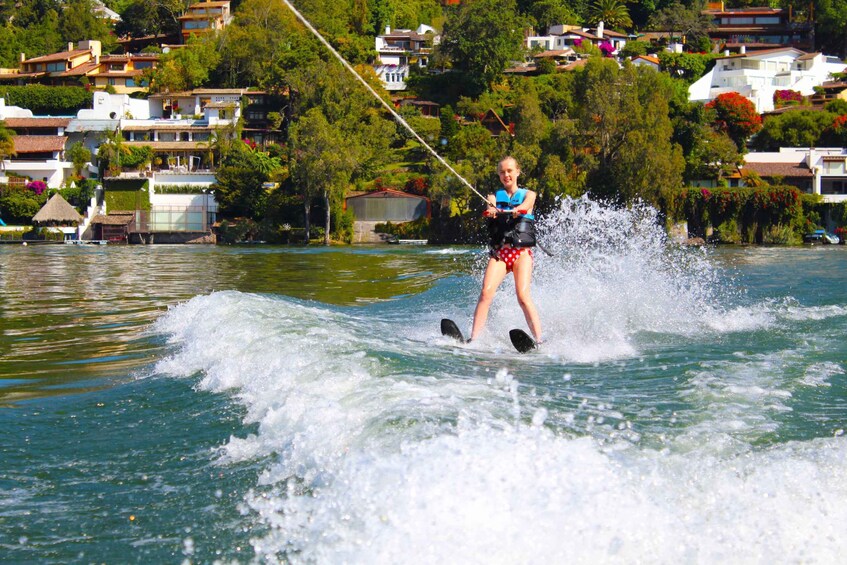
(23,57)
(743,49)
(70,46)
(600,30)
(726,52)
(387,30)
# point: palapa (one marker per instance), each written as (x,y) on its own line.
(57,211)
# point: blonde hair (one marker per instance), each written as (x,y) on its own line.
(507,158)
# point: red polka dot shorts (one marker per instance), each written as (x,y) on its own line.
(509,255)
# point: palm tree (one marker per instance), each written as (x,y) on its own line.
(7,144)
(613,13)
(112,148)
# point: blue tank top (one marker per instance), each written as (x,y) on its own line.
(506,203)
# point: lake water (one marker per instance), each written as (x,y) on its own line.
(164,404)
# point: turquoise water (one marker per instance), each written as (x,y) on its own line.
(239,404)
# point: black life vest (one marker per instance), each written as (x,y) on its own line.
(516,231)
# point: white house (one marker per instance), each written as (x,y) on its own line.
(818,170)
(646,61)
(398,50)
(756,76)
(562,36)
(39,146)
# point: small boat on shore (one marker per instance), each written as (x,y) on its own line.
(821,236)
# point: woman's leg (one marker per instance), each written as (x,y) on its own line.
(494,275)
(523,280)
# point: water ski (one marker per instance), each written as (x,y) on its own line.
(522,341)
(450,329)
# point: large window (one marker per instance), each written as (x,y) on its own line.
(833,167)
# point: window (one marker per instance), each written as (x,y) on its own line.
(55,67)
(116,66)
(833,167)
(143,64)
(130,83)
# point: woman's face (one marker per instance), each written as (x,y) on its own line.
(509,172)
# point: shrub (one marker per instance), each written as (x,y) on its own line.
(51,100)
(19,206)
(37,186)
(416,229)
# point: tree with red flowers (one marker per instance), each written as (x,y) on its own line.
(735,115)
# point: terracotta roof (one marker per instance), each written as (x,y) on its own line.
(39,143)
(578,64)
(648,58)
(61,56)
(778,169)
(80,70)
(613,33)
(554,53)
(13,123)
(584,34)
(57,210)
(760,53)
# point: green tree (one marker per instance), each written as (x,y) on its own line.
(735,115)
(613,13)
(78,21)
(111,151)
(319,166)
(795,128)
(481,39)
(186,68)
(7,144)
(624,120)
(712,157)
(687,66)
(140,18)
(687,20)
(263,34)
(79,156)
(831,28)
(546,13)
(239,183)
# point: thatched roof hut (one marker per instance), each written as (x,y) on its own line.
(57,212)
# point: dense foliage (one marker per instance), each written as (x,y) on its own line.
(618,133)
(47,100)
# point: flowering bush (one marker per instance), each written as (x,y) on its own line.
(735,115)
(37,186)
(417,185)
(755,212)
(249,143)
(787,98)
(606,48)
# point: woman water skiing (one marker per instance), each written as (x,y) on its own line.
(511,236)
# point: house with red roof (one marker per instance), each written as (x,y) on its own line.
(84,62)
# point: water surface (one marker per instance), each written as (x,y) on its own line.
(298,405)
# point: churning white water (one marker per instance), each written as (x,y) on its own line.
(656,425)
